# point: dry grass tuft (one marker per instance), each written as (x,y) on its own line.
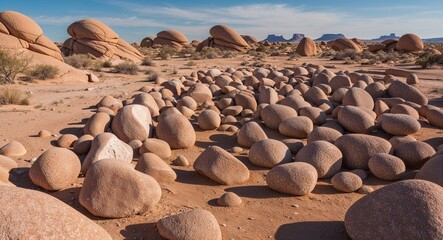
(13,96)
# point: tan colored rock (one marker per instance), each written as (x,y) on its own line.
(407,92)
(13,149)
(306,47)
(83,144)
(208,120)
(97,123)
(148,101)
(104,146)
(269,153)
(297,178)
(156,146)
(44,134)
(226,36)
(176,130)
(359,98)
(249,134)
(220,166)
(229,199)
(431,170)
(358,148)
(388,219)
(405,109)
(435,117)
(132,122)
(7,163)
(323,156)
(386,167)
(414,153)
(67,140)
(55,169)
(399,124)
(344,44)
(274,114)
(346,182)
(113,189)
(355,119)
(190,225)
(181,161)
(297,127)
(410,43)
(315,114)
(30,214)
(110,102)
(324,134)
(154,166)
(147,41)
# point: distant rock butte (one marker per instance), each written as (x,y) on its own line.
(274,38)
(330,37)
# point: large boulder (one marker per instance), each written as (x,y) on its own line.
(155,167)
(324,156)
(355,119)
(13,149)
(306,47)
(269,153)
(386,166)
(297,127)
(97,123)
(55,169)
(29,214)
(113,189)
(296,178)
(432,170)
(414,153)
(249,134)
(225,38)
(220,166)
(132,122)
(171,38)
(274,114)
(407,92)
(410,43)
(342,44)
(398,124)
(107,145)
(190,225)
(90,36)
(389,220)
(175,129)
(358,148)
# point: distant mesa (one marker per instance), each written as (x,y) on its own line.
(385,37)
(296,37)
(19,33)
(90,36)
(330,37)
(224,38)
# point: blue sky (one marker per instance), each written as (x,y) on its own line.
(136,19)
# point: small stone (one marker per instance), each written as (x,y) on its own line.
(237,149)
(181,161)
(229,199)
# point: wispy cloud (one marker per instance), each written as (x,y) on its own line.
(262,19)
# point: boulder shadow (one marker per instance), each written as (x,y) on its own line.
(77,131)
(325,189)
(146,231)
(245,160)
(194,178)
(256,191)
(434,142)
(20,178)
(213,202)
(312,230)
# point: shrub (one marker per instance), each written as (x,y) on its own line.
(147,62)
(427,60)
(166,52)
(11,65)
(126,67)
(13,96)
(80,61)
(107,63)
(43,72)
(151,75)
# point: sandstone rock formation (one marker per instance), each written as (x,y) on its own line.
(225,38)
(90,36)
(171,38)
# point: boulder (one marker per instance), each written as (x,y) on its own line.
(30,214)
(147,41)
(107,145)
(317,115)
(229,199)
(154,166)
(297,127)
(208,120)
(156,146)
(220,166)
(249,134)
(414,153)
(323,133)
(355,119)
(297,178)
(148,101)
(132,122)
(13,149)
(346,182)
(386,166)
(359,98)
(269,153)
(432,170)
(274,114)
(344,44)
(306,47)
(358,148)
(67,140)
(175,129)
(98,123)
(324,156)
(435,117)
(407,92)
(410,43)
(399,124)
(388,220)
(55,169)
(113,189)
(7,163)
(83,144)
(190,225)
(171,38)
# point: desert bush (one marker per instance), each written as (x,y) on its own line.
(80,61)
(229,54)
(146,61)
(166,52)
(186,52)
(427,60)
(43,72)
(107,64)
(11,65)
(126,67)
(151,75)
(345,55)
(13,96)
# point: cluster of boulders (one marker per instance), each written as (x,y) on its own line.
(92,37)
(354,125)
(407,43)
(170,38)
(20,34)
(225,38)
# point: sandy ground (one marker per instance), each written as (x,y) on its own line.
(265,214)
